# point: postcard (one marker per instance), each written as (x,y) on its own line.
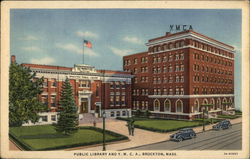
(137,79)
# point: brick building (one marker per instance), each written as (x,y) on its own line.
(91,88)
(181,74)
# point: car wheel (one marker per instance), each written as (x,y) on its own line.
(192,135)
(179,139)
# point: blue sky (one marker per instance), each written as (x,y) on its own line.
(54,36)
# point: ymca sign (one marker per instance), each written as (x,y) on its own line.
(176,28)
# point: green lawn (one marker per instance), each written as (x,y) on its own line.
(165,125)
(44,137)
(228,116)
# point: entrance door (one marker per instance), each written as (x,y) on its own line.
(84,105)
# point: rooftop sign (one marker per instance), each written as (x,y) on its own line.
(177,28)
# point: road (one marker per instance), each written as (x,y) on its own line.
(229,139)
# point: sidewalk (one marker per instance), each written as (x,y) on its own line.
(142,137)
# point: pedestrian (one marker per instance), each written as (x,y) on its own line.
(94,123)
(129,127)
(132,128)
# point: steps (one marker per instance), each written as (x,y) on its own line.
(88,118)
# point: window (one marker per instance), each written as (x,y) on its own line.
(170,68)
(179,106)
(182,91)
(182,67)
(182,43)
(146,105)
(53,117)
(118,113)
(45,83)
(177,79)
(53,82)
(164,69)
(135,61)
(156,105)
(123,100)
(164,58)
(177,68)
(83,83)
(165,91)
(167,106)
(155,91)
(135,70)
(170,91)
(112,114)
(117,100)
(45,99)
(124,113)
(44,118)
(53,100)
(111,100)
(182,78)
(159,91)
(182,56)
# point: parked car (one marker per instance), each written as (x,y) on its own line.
(225,124)
(183,134)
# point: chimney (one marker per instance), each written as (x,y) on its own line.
(13,58)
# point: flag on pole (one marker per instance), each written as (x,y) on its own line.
(87,43)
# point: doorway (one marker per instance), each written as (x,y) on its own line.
(84,105)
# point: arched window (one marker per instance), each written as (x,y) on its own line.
(224,102)
(196,105)
(167,105)
(218,103)
(157,105)
(212,102)
(204,102)
(179,106)
(230,102)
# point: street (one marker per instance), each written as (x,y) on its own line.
(229,139)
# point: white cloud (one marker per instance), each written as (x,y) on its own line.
(133,40)
(73,48)
(87,34)
(28,38)
(120,52)
(45,60)
(31,48)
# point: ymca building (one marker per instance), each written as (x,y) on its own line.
(181,74)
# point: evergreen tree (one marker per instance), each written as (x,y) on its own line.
(67,117)
(24,89)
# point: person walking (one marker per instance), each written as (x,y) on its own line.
(129,127)
(132,126)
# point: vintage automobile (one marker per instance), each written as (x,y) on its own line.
(183,134)
(225,124)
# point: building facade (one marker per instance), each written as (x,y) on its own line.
(182,74)
(94,90)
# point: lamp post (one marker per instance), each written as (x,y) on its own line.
(103,114)
(103,125)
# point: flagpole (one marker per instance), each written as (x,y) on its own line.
(83,52)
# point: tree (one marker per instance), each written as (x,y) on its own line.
(67,117)
(24,89)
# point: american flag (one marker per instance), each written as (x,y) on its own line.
(87,43)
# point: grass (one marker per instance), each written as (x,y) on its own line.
(165,125)
(44,137)
(228,116)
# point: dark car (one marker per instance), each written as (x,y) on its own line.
(183,134)
(225,124)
